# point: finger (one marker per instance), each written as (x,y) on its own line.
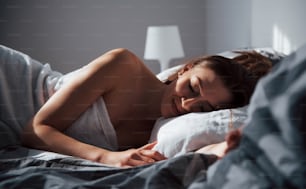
(153,154)
(125,166)
(149,146)
(139,156)
(233,136)
(233,140)
(138,162)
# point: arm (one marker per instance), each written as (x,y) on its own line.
(215,149)
(67,104)
(231,142)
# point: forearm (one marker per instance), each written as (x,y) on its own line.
(215,149)
(50,139)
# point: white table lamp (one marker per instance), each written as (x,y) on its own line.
(163,43)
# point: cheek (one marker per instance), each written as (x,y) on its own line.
(178,89)
(171,89)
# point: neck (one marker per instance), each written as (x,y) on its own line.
(154,91)
(154,98)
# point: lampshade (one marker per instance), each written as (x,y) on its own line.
(163,43)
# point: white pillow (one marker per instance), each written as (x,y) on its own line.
(192,131)
(163,76)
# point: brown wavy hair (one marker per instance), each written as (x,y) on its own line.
(240,74)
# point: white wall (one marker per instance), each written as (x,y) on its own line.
(280,24)
(70,33)
(227,25)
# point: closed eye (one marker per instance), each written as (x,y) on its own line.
(194,89)
(191,88)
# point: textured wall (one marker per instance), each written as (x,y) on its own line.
(70,33)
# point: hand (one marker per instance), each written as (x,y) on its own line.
(133,157)
(233,139)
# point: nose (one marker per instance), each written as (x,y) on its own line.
(193,104)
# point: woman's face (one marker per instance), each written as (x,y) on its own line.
(198,89)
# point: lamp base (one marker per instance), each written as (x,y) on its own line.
(164,65)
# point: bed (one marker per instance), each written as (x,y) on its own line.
(270,155)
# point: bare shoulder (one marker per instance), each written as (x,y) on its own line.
(117,60)
(113,67)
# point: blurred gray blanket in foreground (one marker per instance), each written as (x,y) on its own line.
(271,153)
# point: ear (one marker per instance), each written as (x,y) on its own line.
(179,73)
(186,68)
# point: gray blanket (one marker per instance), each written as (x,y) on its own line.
(25,85)
(271,153)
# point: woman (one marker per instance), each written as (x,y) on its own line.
(132,98)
